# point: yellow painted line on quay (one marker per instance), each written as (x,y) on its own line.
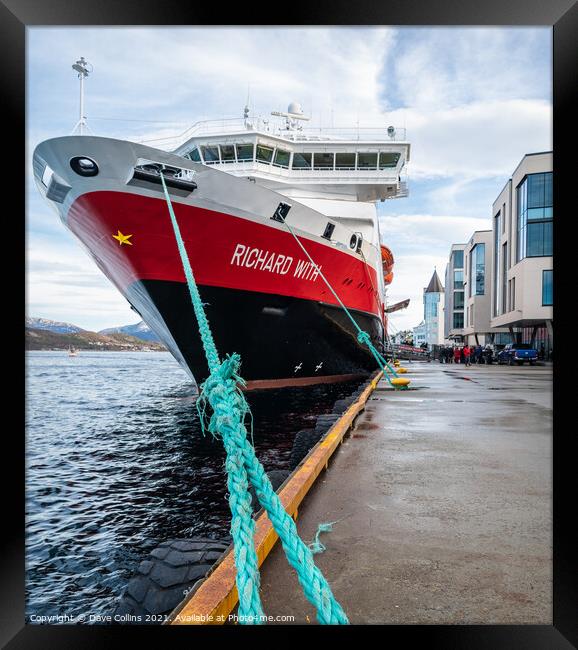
(216,597)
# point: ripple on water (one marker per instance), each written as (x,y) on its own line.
(117,463)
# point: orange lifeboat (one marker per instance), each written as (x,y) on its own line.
(387,261)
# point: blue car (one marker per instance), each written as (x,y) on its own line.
(518,353)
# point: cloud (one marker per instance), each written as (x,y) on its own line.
(421,243)
(63,283)
(478,140)
(474,101)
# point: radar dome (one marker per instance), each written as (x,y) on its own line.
(295,108)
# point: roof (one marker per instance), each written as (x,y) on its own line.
(435,285)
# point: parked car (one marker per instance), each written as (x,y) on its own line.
(518,353)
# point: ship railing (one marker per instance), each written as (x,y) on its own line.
(346,173)
(228,126)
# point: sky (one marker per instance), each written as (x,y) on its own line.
(473,102)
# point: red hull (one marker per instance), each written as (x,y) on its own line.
(211,239)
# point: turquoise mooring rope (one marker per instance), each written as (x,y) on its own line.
(229,409)
(362,335)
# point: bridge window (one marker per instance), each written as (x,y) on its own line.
(367,161)
(344,161)
(210,154)
(264,154)
(194,155)
(388,160)
(245,152)
(323,161)
(227,153)
(301,160)
(282,158)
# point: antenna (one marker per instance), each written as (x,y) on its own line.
(246,109)
(83,70)
(293,114)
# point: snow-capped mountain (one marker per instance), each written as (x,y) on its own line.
(52,326)
(138,330)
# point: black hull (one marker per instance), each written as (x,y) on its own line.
(278,337)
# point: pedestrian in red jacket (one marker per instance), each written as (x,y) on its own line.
(456,355)
(467,353)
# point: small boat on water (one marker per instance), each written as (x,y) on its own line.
(72,352)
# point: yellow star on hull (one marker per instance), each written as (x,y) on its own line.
(122,239)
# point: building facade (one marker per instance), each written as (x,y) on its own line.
(454,322)
(419,335)
(433,311)
(522,254)
(478,275)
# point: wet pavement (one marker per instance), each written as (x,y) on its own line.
(443,499)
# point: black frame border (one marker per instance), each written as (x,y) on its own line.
(16,15)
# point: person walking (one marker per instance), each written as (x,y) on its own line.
(478,354)
(456,355)
(467,354)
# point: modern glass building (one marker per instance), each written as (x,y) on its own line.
(478,281)
(454,320)
(522,254)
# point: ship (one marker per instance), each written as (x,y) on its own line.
(239,187)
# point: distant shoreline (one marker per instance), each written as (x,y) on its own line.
(85,341)
(83,351)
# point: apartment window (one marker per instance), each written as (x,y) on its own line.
(504,218)
(458,257)
(534,199)
(513,294)
(458,280)
(504,276)
(478,267)
(496,302)
(458,299)
(547,288)
(458,319)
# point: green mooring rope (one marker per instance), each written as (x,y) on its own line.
(362,335)
(229,409)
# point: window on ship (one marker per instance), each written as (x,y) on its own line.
(301,160)
(323,161)
(245,152)
(367,161)
(194,155)
(345,161)
(388,160)
(264,154)
(282,158)
(227,153)
(210,154)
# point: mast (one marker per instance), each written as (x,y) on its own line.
(83,70)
